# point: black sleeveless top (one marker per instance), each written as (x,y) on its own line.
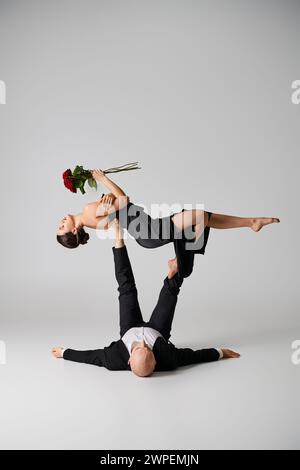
(152,232)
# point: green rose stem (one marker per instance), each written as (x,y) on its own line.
(80,175)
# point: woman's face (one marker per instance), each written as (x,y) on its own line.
(66,225)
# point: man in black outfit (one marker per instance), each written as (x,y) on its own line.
(143,347)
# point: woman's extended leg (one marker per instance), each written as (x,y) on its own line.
(222,221)
(199,218)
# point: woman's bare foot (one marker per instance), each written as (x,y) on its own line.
(173,267)
(260,222)
(57,352)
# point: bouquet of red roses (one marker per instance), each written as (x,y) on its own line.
(76,179)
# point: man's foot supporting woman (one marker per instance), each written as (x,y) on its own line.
(173,267)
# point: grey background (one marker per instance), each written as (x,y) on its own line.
(200,93)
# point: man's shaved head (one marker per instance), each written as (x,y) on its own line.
(142,362)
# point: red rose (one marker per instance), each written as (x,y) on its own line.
(66,174)
(68,182)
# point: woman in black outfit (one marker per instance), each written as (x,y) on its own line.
(188,230)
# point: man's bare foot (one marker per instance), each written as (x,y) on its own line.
(173,267)
(57,353)
(260,222)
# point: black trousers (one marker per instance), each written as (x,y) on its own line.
(130,312)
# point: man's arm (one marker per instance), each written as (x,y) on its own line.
(186,356)
(95,357)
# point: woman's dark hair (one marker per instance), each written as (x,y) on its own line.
(71,240)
